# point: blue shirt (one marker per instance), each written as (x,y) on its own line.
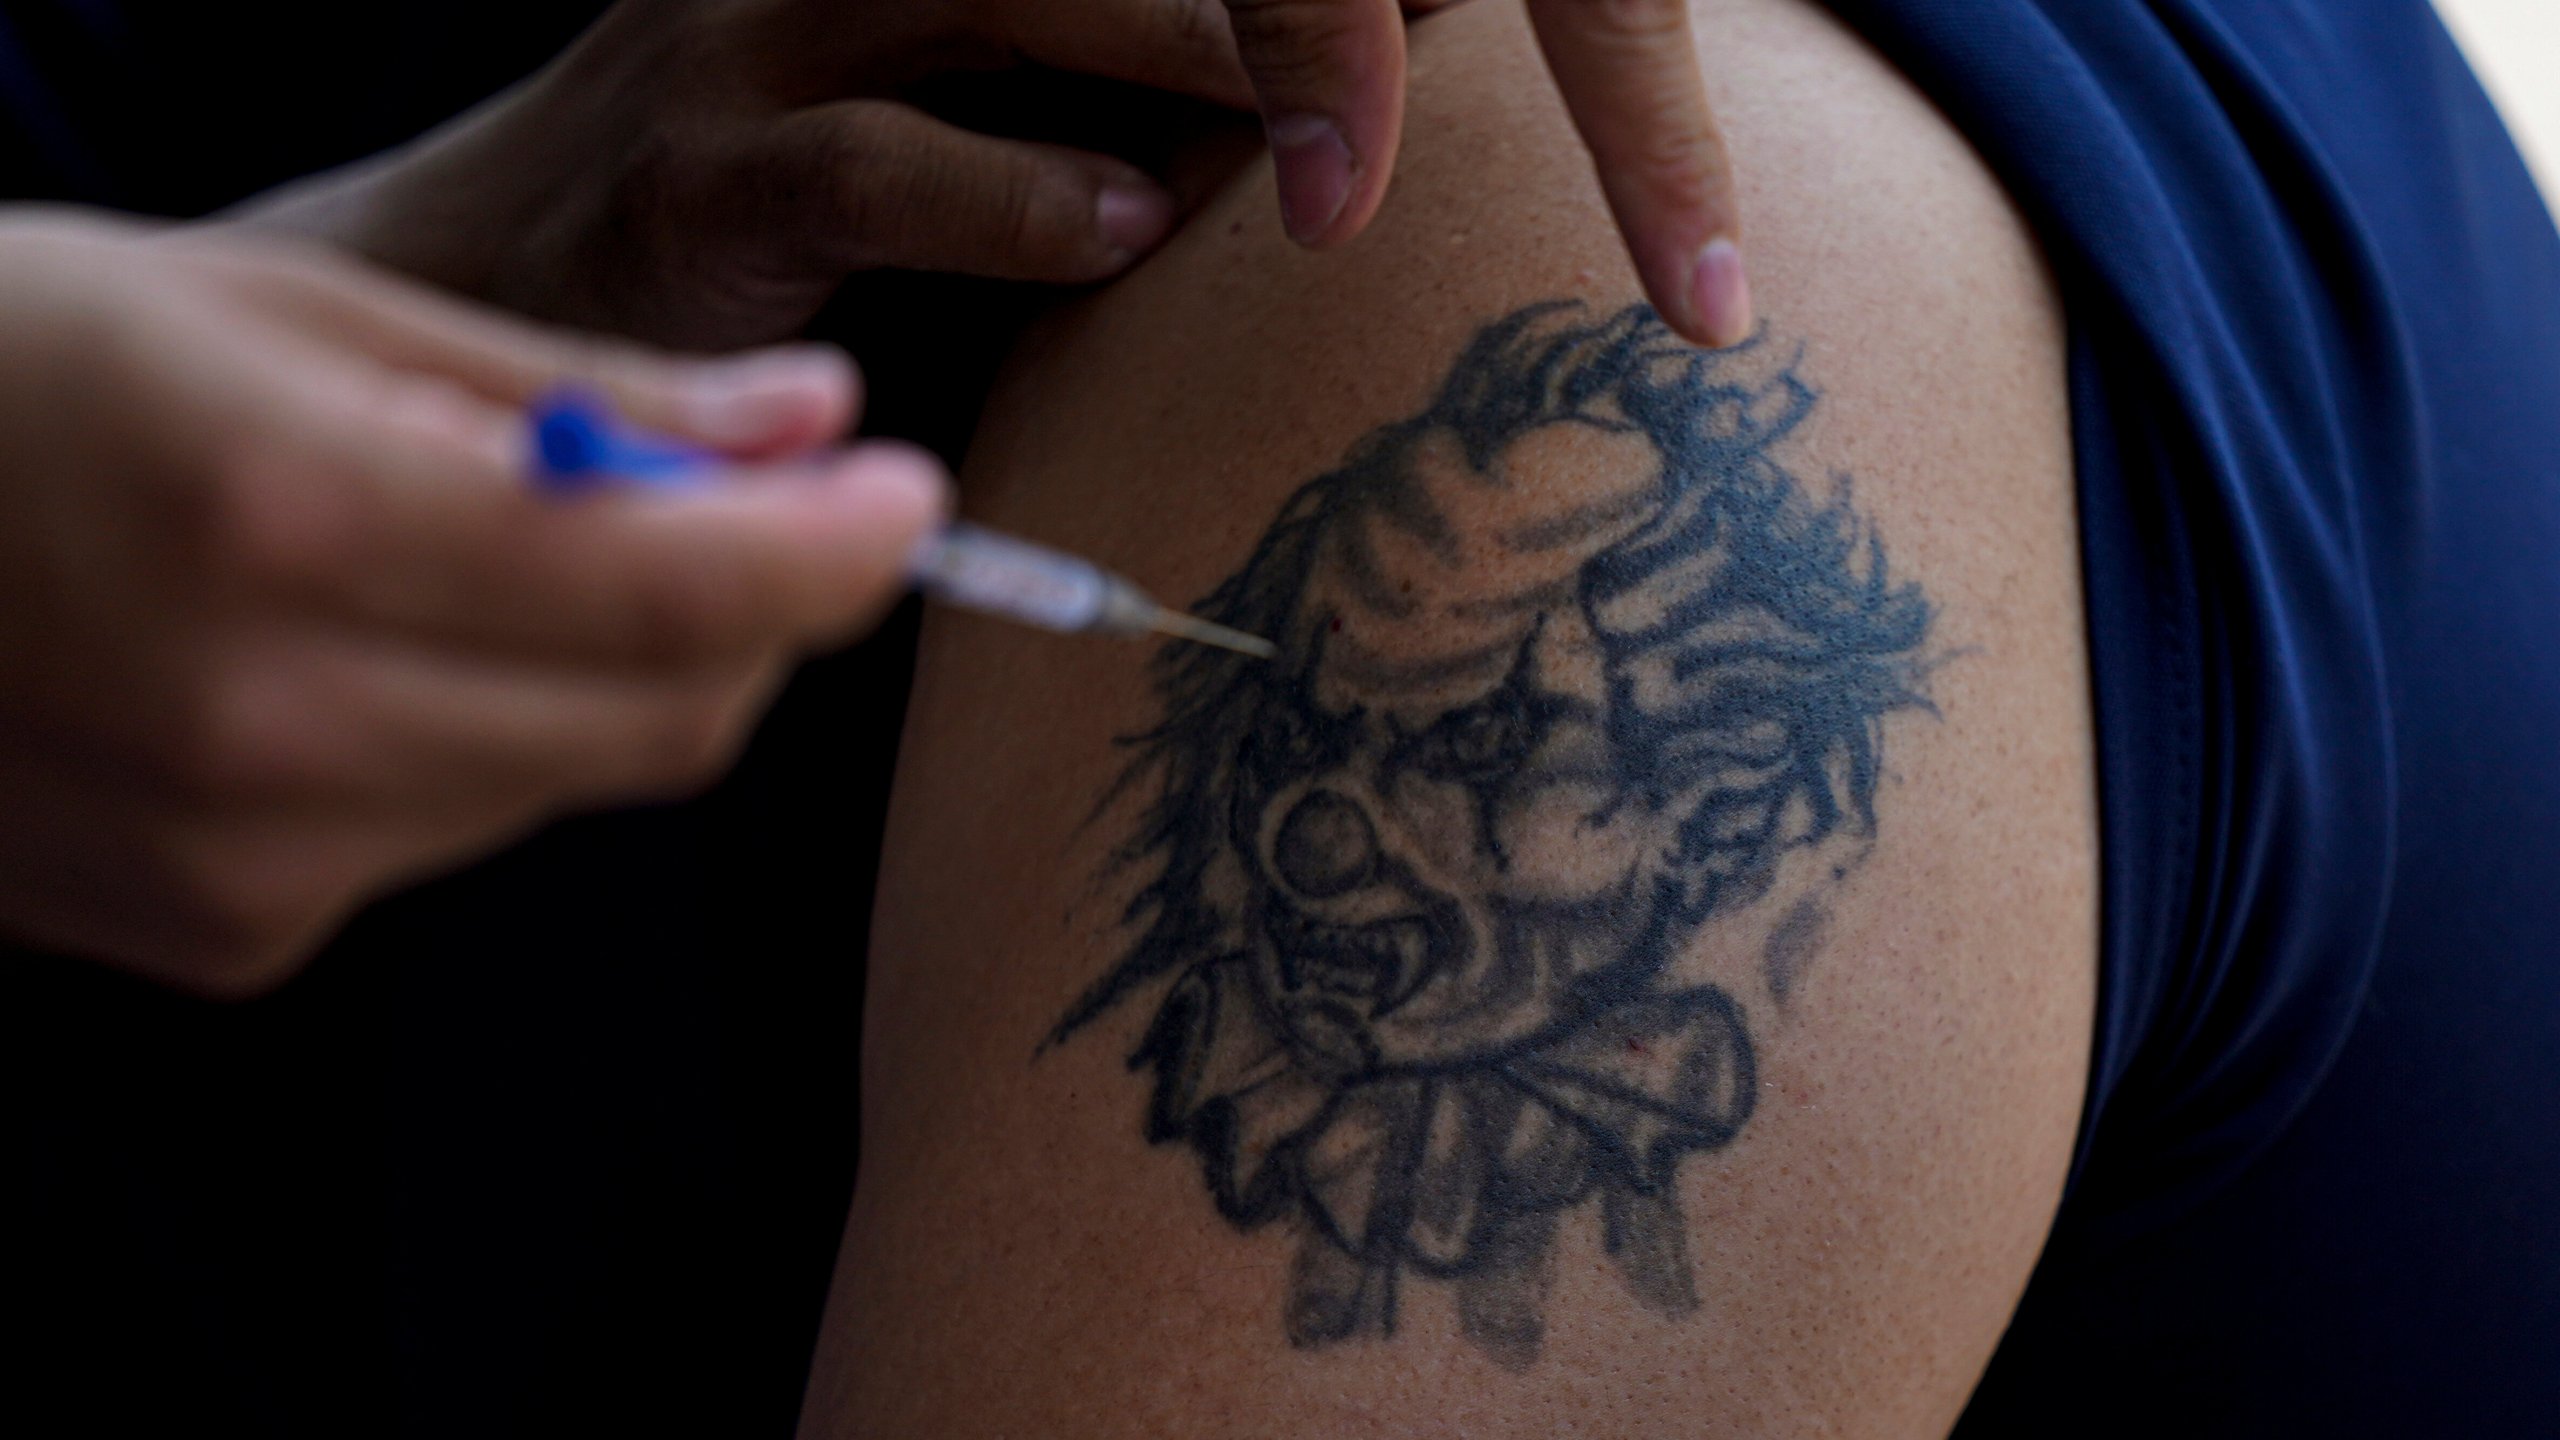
(2314,302)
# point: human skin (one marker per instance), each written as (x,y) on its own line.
(1494,1024)
(212,787)
(282,625)
(704,173)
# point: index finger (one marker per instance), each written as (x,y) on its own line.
(429,527)
(1629,74)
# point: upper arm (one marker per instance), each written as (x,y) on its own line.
(1628,965)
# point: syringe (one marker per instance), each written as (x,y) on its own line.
(996,574)
(578,444)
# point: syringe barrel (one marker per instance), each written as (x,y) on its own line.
(979,569)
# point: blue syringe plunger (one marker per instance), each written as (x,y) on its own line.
(578,444)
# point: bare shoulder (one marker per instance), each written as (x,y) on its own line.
(1625,967)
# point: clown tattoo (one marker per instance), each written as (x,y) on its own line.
(1572,669)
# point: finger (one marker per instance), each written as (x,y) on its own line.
(870,182)
(770,402)
(1629,74)
(1184,47)
(1329,79)
(406,513)
(334,724)
(226,906)
(231,909)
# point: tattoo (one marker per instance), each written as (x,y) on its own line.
(1570,666)
(1791,946)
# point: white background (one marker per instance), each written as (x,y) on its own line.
(2515,45)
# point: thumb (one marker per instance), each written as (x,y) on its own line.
(1329,75)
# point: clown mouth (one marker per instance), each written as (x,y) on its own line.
(1383,962)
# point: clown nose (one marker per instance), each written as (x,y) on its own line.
(1325,846)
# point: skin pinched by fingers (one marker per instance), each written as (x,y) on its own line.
(1330,74)
(705,173)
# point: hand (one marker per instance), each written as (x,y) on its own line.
(1330,77)
(704,173)
(281,624)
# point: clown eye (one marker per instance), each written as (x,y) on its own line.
(1292,742)
(1485,741)
(1293,738)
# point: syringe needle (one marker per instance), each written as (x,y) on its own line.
(1209,632)
(979,569)
(1131,611)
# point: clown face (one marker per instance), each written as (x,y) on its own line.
(1571,665)
(1453,848)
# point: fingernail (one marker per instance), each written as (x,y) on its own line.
(1315,174)
(1720,295)
(1131,220)
(752,399)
